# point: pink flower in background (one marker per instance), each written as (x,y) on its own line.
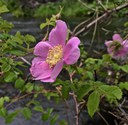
(51,55)
(117,48)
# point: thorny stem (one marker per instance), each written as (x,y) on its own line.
(76,104)
(79,25)
(74,97)
(17,98)
(66,103)
(101,17)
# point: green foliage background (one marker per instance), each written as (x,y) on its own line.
(85,87)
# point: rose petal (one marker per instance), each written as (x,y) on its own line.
(58,34)
(116,37)
(125,47)
(40,70)
(37,59)
(41,49)
(47,80)
(121,54)
(57,69)
(108,43)
(71,51)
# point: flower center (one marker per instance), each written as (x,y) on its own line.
(54,55)
(116,45)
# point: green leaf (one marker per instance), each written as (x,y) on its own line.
(123,85)
(63,122)
(47,114)
(106,57)
(26,113)
(113,92)
(5,26)
(54,119)
(17,40)
(30,38)
(19,83)
(6,98)
(10,117)
(17,52)
(1,102)
(83,91)
(93,103)
(5,67)
(89,75)
(3,112)
(29,87)
(125,68)
(43,25)
(3,9)
(38,108)
(65,91)
(10,77)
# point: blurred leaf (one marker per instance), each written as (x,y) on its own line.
(30,38)
(5,26)
(126,24)
(63,122)
(16,40)
(47,114)
(27,113)
(43,25)
(38,108)
(65,90)
(17,52)
(1,102)
(51,94)
(3,9)
(6,98)
(125,68)
(10,117)
(3,112)
(123,85)
(10,77)
(106,57)
(54,119)
(93,103)
(29,87)
(19,83)
(5,67)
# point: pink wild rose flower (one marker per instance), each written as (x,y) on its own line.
(117,48)
(51,55)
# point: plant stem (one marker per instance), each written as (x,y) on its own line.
(75,102)
(108,12)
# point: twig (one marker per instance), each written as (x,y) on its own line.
(115,115)
(100,3)
(94,32)
(79,25)
(103,118)
(101,17)
(71,75)
(24,60)
(86,5)
(66,103)
(76,108)
(75,101)
(17,98)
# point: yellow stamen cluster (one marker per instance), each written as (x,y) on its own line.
(54,55)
